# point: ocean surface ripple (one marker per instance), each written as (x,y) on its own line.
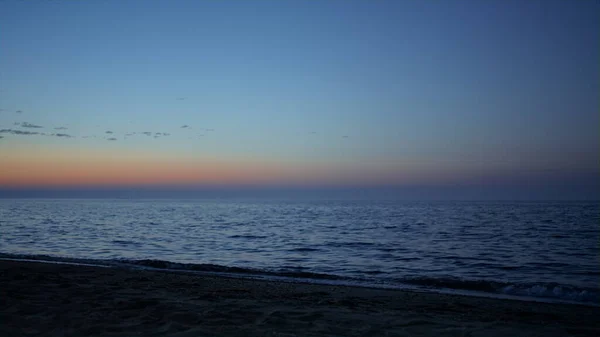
(543,250)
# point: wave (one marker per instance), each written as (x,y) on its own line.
(303,249)
(543,291)
(126,242)
(215,268)
(248,236)
(538,290)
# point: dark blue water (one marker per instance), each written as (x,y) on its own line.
(539,250)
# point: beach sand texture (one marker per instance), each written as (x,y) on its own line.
(40,299)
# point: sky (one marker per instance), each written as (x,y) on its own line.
(433,99)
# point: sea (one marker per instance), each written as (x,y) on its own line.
(532,251)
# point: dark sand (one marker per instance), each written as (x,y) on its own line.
(39,299)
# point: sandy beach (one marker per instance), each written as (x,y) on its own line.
(38,299)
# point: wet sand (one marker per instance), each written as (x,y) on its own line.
(38,299)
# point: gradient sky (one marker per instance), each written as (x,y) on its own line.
(432,94)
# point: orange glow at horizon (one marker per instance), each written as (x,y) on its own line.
(48,167)
(36,171)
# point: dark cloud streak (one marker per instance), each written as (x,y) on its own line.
(29,125)
(61,135)
(19,132)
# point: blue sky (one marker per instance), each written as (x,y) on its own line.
(496,89)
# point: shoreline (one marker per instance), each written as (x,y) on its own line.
(42,299)
(209,269)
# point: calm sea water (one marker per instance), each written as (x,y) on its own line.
(533,250)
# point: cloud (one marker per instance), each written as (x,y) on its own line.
(210,130)
(60,128)
(1,137)
(112,138)
(61,135)
(185,126)
(19,132)
(29,125)
(109,132)
(147,133)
